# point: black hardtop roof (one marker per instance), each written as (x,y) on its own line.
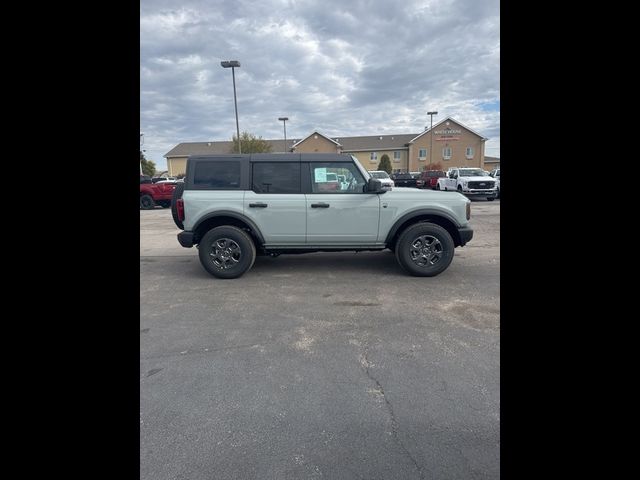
(278,157)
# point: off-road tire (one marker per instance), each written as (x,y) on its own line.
(231,266)
(415,239)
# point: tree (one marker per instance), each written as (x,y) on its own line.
(385,164)
(250,144)
(433,166)
(148,167)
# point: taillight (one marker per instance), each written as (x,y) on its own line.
(468,210)
(180,209)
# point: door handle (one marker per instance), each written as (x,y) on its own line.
(258,205)
(320,205)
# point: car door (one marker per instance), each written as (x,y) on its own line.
(347,216)
(275,202)
(452,182)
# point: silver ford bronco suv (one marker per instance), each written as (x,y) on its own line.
(234,207)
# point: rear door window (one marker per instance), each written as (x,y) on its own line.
(275,177)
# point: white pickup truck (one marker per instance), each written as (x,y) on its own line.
(470,182)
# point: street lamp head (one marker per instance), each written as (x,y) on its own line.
(230,63)
(432,113)
(283,118)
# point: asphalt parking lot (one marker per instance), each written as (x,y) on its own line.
(324,365)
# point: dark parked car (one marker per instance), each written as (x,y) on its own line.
(429,178)
(405,180)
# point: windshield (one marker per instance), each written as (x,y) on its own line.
(379,174)
(471,172)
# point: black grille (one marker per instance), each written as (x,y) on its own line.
(486,184)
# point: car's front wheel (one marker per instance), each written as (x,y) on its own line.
(425,249)
(226,252)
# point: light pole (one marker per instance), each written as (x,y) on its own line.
(233,64)
(431,134)
(284,123)
(141,144)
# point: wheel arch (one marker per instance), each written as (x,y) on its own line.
(227,218)
(439,218)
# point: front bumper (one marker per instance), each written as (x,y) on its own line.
(484,193)
(466,234)
(186,239)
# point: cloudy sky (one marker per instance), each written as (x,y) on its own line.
(342,67)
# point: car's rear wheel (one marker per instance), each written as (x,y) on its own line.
(425,249)
(177,194)
(146,202)
(490,199)
(226,252)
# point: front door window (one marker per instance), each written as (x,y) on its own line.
(336,178)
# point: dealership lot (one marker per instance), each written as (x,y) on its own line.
(335,365)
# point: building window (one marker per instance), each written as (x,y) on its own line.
(396,156)
(422,154)
(374,156)
(469,153)
(446,153)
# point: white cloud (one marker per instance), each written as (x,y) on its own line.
(347,68)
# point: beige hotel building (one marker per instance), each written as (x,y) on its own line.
(454,145)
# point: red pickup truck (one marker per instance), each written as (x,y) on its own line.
(155,193)
(429,178)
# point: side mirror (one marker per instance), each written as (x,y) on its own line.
(374,186)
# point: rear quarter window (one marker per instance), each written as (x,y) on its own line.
(217,175)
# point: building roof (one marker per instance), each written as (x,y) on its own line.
(315,132)
(215,148)
(375,142)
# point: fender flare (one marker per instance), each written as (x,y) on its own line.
(418,213)
(236,215)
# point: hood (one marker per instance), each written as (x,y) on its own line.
(421,194)
(477,179)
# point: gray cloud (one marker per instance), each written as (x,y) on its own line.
(346,68)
